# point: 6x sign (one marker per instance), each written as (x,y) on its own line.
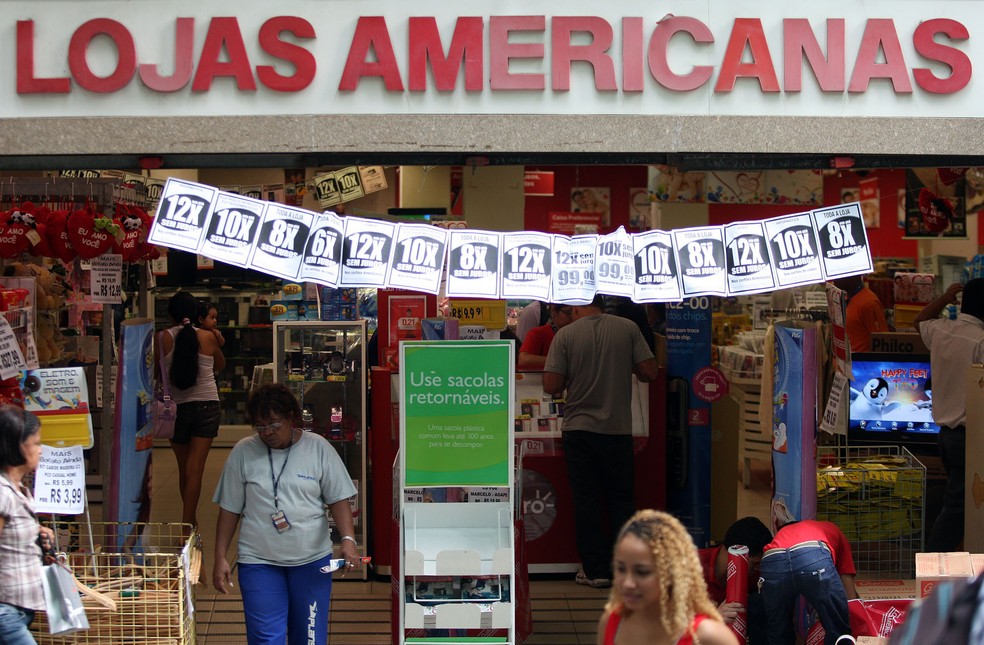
(323,252)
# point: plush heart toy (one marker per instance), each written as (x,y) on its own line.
(57,234)
(42,248)
(130,245)
(17,232)
(90,235)
(936,211)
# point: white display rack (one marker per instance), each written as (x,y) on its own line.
(754,437)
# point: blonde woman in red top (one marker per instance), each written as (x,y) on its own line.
(659,596)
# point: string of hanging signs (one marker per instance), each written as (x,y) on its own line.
(295,244)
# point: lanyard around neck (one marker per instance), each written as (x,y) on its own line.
(276,480)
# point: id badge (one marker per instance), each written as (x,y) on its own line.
(280,522)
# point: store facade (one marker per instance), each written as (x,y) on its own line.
(222,84)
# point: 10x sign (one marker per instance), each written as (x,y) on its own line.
(181,215)
(419,258)
(526,265)
(232,228)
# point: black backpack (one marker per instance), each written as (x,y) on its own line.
(944,616)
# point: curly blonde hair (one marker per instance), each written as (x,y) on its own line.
(683,592)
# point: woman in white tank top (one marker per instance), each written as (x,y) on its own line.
(191,358)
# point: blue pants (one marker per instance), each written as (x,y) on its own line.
(289,602)
(808,571)
(14,622)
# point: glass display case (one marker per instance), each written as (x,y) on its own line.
(323,363)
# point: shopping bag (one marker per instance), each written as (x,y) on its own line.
(163,412)
(61,600)
(163,409)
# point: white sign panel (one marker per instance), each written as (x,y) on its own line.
(700,252)
(179,222)
(843,240)
(747,259)
(281,241)
(794,248)
(614,264)
(657,275)
(573,279)
(830,422)
(417,261)
(232,228)
(473,264)
(106,279)
(366,252)
(11,359)
(322,262)
(526,264)
(59,482)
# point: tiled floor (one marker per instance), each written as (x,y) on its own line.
(563,613)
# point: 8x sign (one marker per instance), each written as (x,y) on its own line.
(181,214)
(281,240)
(701,255)
(473,264)
(843,240)
(232,228)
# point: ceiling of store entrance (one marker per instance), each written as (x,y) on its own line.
(682,161)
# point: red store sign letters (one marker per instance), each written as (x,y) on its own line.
(431,64)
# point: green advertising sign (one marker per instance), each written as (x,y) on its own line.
(457,412)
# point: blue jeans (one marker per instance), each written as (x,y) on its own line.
(14,622)
(948,530)
(808,571)
(289,602)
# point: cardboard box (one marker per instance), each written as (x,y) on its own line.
(933,568)
(886,589)
(898,342)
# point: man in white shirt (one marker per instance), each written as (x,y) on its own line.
(954,345)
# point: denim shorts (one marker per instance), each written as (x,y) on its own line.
(197,419)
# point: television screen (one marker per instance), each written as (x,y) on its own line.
(891,398)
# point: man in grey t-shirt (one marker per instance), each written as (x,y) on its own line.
(594,358)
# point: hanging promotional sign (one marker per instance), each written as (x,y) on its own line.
(232,228)
(11,357)
(473,264)
(281,241)
(700,252)
(366,252)
(526,265)
(657,277)
(457,412)
(843,240)
(179,222)
(418,258)
(59,397)
(747,259)
(59,481)
(614,264)
(651,266)
(322,261)
(106,279)
(794,247)
(573,279)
